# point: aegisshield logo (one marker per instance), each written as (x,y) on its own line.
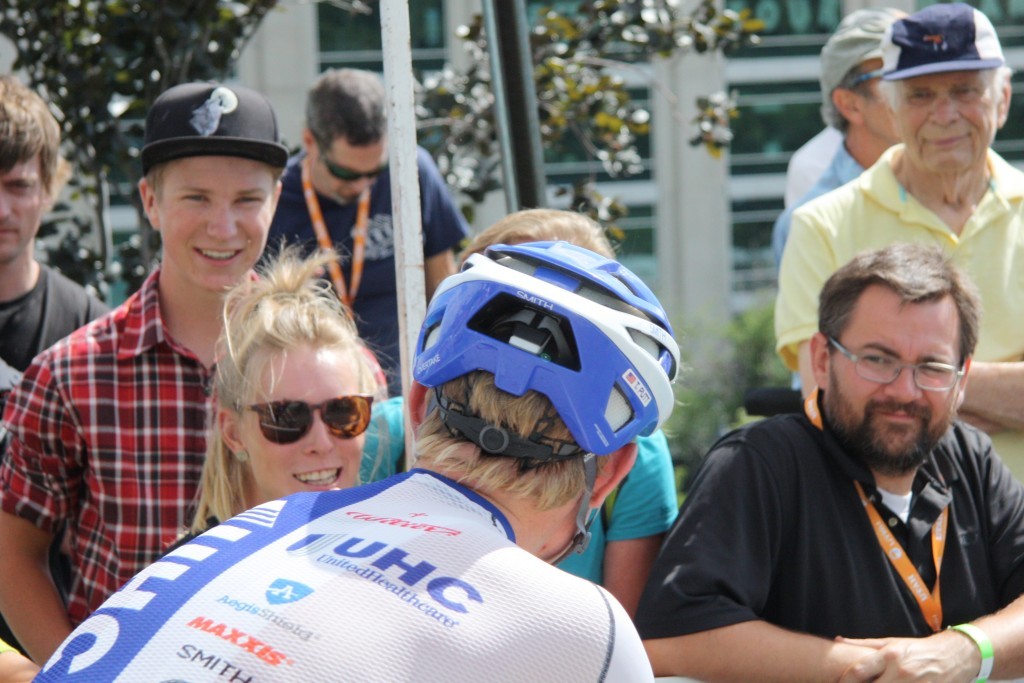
(284,591)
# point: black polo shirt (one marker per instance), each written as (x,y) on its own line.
(774,530)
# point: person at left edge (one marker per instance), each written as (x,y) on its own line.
(38,305)
(108,426)
(344,163)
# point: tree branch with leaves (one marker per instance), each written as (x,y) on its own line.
(583,102)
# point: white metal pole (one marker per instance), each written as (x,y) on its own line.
(405,188)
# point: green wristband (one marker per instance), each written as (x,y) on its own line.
(4,647)
(980,639)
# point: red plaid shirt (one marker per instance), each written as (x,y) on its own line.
(109,437)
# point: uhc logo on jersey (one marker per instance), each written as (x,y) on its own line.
(284,591)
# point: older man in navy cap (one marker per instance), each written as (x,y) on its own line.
(946,81)
(108,426)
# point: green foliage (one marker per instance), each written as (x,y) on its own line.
(710,390)
(583,104)
(101,63)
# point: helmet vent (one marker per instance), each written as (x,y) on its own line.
(513,321)
(517,264)
(430,338)
(618,411)
(650,346)
(658,352)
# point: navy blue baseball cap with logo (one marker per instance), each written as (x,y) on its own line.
(211,119)
(940,38)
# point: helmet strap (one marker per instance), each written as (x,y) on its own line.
(497,440)
(584,517)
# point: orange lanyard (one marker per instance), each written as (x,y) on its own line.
(346,294)
(930,603)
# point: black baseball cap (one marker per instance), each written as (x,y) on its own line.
(207,119)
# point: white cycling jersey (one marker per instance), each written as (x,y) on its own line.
(414,578)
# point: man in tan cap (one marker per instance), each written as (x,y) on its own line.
(851,64)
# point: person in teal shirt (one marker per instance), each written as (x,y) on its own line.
(633,522)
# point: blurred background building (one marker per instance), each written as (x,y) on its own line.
(698,228)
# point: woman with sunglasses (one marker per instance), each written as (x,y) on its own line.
(293,393)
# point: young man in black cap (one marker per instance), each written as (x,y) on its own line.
(108,426)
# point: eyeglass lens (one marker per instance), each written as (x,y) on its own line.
(285,422)
(885,370)
(347,174)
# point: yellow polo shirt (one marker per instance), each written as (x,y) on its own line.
(874,211)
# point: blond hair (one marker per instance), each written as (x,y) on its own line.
(548,484)
(542,225)
(287,307)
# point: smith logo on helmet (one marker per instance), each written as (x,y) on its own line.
(535,300)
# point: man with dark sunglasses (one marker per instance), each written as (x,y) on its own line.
(337,195)
(536,368)
(874,537)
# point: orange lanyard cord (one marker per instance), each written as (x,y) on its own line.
(930,603)
(316,216)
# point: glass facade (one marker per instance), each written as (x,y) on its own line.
(791,27)
(354,40)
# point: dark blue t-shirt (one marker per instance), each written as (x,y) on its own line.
(376,303)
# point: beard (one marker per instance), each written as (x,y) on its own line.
(888,449)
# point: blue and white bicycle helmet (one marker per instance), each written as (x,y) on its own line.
(579,328)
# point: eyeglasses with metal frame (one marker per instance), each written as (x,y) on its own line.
(874,367)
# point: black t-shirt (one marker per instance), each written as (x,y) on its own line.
(50,311)
(773,529)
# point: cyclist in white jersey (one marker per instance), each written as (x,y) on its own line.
(537,365)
